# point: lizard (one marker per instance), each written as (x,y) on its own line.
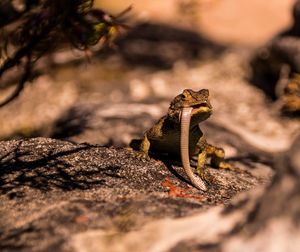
(178,133)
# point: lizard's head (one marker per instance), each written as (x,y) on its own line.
(199,101)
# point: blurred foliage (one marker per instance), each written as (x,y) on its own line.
(31,28)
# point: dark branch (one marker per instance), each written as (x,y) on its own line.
(21,83)
(46,23)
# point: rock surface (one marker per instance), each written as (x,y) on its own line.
(60,196)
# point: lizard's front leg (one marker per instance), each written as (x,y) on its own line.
(139,148)
(202,156)
(143,152)
(217,158)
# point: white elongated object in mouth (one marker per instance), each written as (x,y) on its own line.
(184,149)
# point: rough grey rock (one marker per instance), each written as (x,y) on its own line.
(258,220)
(53,191)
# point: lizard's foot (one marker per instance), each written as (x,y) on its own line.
(217,159)
(200,169)
(140,155)
(142,147)
(227,166)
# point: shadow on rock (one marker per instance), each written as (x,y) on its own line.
(44,164)
(160,45)
(73,122)
(112,124)
(19,170)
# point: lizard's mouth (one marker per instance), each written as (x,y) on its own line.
(201,107)
(203,110)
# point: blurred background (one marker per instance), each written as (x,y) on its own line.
(230,22)
(244,52)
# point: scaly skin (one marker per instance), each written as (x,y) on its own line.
(164,136)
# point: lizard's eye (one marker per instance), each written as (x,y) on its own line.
(184,95)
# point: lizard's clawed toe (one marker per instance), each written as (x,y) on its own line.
(227,166)
(141,155)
